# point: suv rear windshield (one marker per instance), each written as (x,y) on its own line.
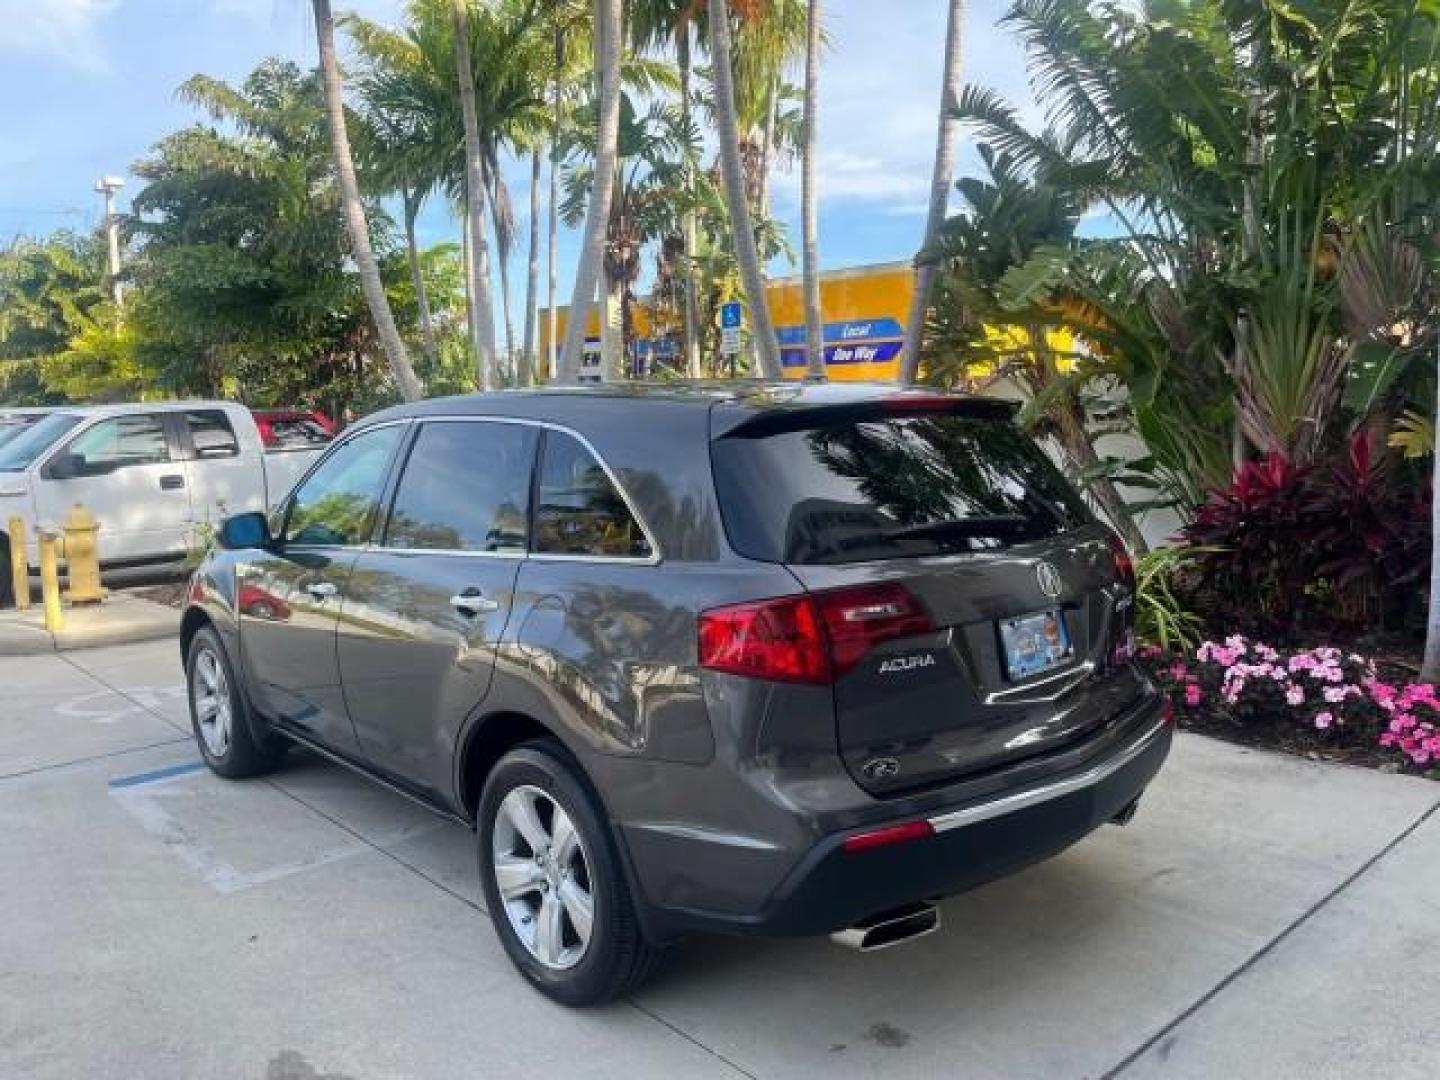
(889,488)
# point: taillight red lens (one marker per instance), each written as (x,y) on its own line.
(810,639)
(858,618)
(773,639)
(893,834)
(1124,565)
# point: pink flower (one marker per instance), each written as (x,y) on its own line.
(1295,694)
(1178,670)
(1193,694)
(1323,720)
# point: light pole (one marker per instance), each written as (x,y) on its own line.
(107,186)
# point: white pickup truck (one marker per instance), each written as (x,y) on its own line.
(150,473)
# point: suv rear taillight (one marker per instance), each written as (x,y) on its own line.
(772,639)
(1124,565)
(858,618)
(809,639)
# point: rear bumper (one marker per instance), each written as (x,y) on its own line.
(830,889)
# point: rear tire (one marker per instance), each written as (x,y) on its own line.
(566,917)
(220,716)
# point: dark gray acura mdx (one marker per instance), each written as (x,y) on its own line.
(754,659)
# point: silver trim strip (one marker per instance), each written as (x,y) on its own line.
(972,815)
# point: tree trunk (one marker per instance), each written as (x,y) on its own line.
(406,382)
(499,203)
(532,273)
(412,203)
(767,348)
(809,200)
(612,329)
(945,146)
(608,45)
(552,315)
(1070,419)
(688,225)
(477,269)
(767,150)
(1430,667)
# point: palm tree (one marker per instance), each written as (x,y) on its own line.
(609,44)
(669,22)
(767,347)
(945,147)
(809,211)
(532,274)
(650,199)
(477,269)
(406,382)
(1430,666)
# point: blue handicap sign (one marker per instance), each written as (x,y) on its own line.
(730,315)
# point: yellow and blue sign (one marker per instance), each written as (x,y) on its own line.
(864,308)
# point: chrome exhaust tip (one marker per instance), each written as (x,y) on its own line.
(890,928)
(1127,813)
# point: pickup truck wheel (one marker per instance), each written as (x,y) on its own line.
(219,715)
(553,883)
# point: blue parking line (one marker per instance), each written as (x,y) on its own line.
(156,774)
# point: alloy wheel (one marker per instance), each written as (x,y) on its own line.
(543,877)
(210,692)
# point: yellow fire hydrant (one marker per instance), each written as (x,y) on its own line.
(82,556)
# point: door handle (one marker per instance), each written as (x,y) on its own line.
(173,482)
(473,602)
(321,590)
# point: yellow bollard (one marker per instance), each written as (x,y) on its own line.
(82,557)
(19,564)
(50,580)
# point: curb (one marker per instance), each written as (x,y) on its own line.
(123,620)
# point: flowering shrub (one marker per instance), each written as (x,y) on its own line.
(1338,544)
(1331,696)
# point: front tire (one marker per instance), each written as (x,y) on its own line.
(220,716)
(553,882)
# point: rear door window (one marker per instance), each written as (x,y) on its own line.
(888,488)
(466,487)
(580,511)
(211,434)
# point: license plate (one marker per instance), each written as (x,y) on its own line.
(1033,644)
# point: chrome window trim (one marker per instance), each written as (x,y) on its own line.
(387,549)
(332,447)
(653,559)
(1020,800)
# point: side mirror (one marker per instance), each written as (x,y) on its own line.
(245,531)
(66,466)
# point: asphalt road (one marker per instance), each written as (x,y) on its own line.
(1262,917)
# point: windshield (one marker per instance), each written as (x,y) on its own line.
(21,451)
(891,488)
(11,426)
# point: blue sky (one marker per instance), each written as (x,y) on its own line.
(87,86)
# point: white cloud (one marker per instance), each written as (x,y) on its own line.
(64,30)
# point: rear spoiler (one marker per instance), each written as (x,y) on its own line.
(750,422)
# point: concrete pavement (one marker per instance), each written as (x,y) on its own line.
(1263,916)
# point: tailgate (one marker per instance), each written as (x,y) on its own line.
(972,603)
(935,706)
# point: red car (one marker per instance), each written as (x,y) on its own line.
(293,429)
